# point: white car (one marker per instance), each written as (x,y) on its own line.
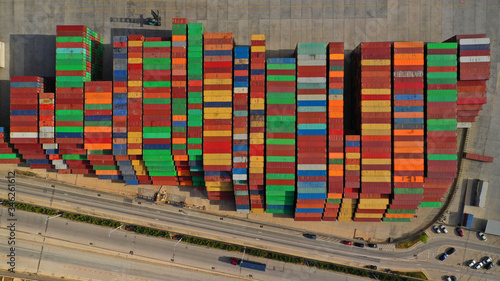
(478,265)
(436,229)
(443,229)
(482,236)
(487,260)
(471,263)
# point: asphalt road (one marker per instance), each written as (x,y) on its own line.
(325,248)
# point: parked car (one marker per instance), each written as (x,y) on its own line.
(486,260)
(489,265)
(372,245)
(347,242)
(478,265)
(371,266)
(310,236)
(471,263)
(460,232)
(448,278)
(482,236)
(443,229)
(454,278)
(443,257)
(436,229)
(450,251)
(361,245)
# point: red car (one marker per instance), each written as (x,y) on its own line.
(460,232)
(347,243)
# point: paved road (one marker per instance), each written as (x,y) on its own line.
(325,248)
(68,248)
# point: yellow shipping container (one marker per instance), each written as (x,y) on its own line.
(134,83)
(135,60)
(241,61)
(134,95)
(256,159)
(257,106)
(256,135)
(375,62)
(218,184)
(217,162)
(135,43)
(134,140)
(208,98)
(134,135)
(372,132)
(257,141)
(349,201)
(375,173)
(257,211)
(257,100)
(376,109)
(375,91)
(373,201)
(257,123)
(218,110)
(258,49)
(257,165)
(375,127)
(134,151)
(218,81)
(376,161)
(351,155)
(217,133)
(365,215)
(372,206)
(217,156)
(217,116)
(375,103)
(256,170)
(351,167)
(376,178)
(216,189)
(258,37)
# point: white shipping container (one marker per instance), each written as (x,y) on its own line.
(240,160)
(311,167)
(58,162)
(461,125)
(311,62)
(50,146)
(311,80)
(61,167)
(47,135)
(311,97)
(46,101)
(474,41)
(24,135)
(243,211)
(240,90)
(240,136)
(238,177)
(335,97)
(475,59)
(2,54)
(46,129)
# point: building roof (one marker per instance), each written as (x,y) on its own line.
(492,227)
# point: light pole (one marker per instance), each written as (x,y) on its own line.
(49,218)
(175,245)
(109,235)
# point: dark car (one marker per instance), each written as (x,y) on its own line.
(310,236)
(443,257)
(371,266)
(361,245)
(371,245)
(489,265)
(450,251)
(349,243)
(460,232)
(454,278)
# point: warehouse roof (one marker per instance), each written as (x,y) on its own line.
(492,227)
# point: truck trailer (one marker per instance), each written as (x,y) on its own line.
(248,264)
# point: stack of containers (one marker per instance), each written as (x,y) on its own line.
(376,133)
(78,60)
(335,131)
(24,98)
(120,108)
(134,103)
(240,129)
(470,100)
(217,115)
(98,129)
(46,126)
(157,119)
(195,102)
(257,122)
(280,136)
(7,155)
(474,57)
(179,100)
(311,135)
(352,177)
(441,116)
(408,150)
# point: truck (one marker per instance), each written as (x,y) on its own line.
(248,264)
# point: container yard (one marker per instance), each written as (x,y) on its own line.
(197,110)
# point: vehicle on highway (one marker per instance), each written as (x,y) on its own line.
(450,251)
(372,245)
(371,266)
(443,257)
(489,265)
(443,229)
(478,265)
(436,229)
(349,243)
(310,236)
(471,263)
(361,245)
(248,264)
(460,232)
(482,236)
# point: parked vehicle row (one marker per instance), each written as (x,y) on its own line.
(442,229)
(487,263)
(360,245)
